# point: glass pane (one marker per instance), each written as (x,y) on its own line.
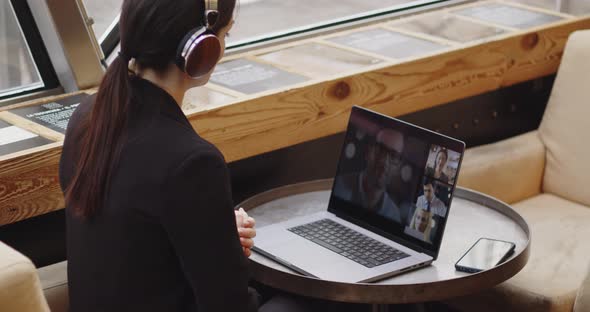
(15,139)
(317,60)
(449,27)
(251,77)
(204,98)
(104,13)
(575,7)
(387,43)
(260,19)
(508,15)
(18,71)
(263,18)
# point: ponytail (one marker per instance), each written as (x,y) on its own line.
(101,138)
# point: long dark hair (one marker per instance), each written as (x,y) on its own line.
(150,33)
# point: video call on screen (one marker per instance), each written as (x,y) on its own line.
(400,180)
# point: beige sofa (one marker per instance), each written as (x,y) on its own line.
(545,175)
(20,289)
(23,288)
(54,281)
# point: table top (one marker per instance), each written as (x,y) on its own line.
(472,215)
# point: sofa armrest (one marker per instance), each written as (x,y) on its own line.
(582,303)
(54,281)
(20,289)
(510,170)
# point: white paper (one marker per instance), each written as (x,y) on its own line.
(14,134)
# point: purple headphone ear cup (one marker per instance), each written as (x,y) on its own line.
(202,56)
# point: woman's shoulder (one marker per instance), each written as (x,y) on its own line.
(179,148)
(199,161)
(204,150)
(81,111)
(176,140)
(75,124)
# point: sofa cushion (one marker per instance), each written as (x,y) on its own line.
(583,299)
(565,128)
(54,281)
(20,289)
(557,265)
(510,170)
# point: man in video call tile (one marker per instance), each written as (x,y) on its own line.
(429,202)
(429,210)
(368,188)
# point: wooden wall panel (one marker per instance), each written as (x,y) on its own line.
(265,123)
(29,184)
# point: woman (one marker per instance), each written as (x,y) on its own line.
(150,223)
(440,162)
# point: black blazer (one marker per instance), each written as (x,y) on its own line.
(166,238)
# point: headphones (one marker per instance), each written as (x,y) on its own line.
(200,49)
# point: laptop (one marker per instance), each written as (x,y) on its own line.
(387,210)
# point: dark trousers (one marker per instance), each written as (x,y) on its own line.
(283,302)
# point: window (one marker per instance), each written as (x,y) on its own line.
(105,14)
(263,20)
(24,64)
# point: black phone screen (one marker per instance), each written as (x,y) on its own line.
(484,254)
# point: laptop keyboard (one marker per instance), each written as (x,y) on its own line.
(349,243)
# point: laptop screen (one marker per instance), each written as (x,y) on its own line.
(396,178)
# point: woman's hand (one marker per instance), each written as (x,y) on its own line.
(246,230)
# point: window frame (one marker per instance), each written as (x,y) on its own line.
(38,51)
(110,39)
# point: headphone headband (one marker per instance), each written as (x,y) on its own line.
(211,5)
(211,8)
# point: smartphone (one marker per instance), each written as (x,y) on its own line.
(485,254)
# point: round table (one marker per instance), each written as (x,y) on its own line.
(472,215)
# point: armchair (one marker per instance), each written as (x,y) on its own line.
(20,289)
(545,175)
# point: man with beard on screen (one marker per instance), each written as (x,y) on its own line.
(368,188)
